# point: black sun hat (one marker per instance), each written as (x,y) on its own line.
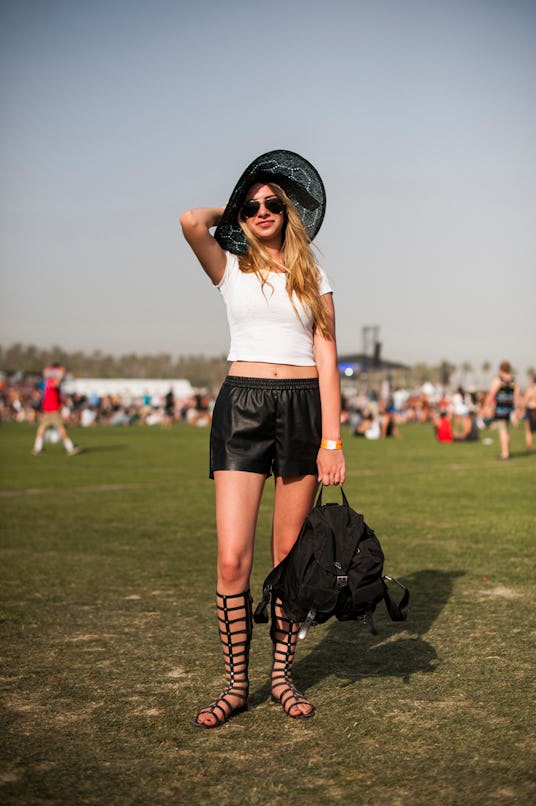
(299,179)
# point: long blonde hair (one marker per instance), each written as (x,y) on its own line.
(299,263)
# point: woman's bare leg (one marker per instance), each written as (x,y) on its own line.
(293,501)
(238,497)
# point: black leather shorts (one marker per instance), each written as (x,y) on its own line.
(265,425)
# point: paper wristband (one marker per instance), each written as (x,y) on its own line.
(331,444)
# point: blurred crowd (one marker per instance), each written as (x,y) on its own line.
(457,415)
(20,401)
(374,417)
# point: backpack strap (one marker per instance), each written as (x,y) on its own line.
(318,502)
(368,618)
(397,612)
(260,616)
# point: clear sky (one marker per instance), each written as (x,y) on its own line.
(420,116)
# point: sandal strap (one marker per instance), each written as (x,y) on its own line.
(290,698)
(225,713)
(235,626)
(284,634)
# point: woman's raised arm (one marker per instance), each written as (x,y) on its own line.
(196,225)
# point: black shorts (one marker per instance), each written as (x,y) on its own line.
(265,425)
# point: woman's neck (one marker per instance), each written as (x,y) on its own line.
(277,258)
(275,251)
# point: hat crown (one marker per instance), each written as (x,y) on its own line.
(299,179)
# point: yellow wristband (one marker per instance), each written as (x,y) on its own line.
(331,444)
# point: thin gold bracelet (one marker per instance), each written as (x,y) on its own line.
(331,444)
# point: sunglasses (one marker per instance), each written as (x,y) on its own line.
(272,203)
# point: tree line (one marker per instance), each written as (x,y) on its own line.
(200,370)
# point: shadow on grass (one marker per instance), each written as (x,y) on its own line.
(348,651)
(112,446)
(430,591)
(520,455)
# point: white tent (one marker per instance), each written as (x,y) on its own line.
(128,388)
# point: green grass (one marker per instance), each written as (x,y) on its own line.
(109,644)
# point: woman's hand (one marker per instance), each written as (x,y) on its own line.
(331,466)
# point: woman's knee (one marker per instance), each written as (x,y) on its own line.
(233,568)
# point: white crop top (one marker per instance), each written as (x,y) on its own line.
(263,324)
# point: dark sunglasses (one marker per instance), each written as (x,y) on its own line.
(272,203)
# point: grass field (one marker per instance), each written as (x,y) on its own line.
(109,643)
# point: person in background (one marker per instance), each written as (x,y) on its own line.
(279,409)
(502,403)
(169,408)
(51,410)
(470,432)
(460,414)
(387,418)
(529,409)
(443,427)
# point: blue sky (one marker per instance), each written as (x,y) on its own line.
(420,117)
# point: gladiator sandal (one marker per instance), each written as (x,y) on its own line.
(284,634)
(235,627)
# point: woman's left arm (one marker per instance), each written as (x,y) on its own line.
(331,463)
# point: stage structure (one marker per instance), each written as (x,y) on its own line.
(353,365)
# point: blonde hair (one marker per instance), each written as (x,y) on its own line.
(299,263)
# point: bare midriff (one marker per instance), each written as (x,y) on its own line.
(258,369)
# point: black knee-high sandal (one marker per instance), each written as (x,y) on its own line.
(235,625)
(284,634)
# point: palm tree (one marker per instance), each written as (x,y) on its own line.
(486,366)
(421,372)
(466,367)
(445,371)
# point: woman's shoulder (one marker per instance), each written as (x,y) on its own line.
(324,285)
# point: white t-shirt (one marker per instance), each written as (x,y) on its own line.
(263,324)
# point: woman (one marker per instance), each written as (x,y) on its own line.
(279,408)
(502,402)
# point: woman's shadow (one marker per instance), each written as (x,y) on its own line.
(349,651)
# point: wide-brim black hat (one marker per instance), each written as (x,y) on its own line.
(299,179)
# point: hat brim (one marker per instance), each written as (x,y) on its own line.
(299,179)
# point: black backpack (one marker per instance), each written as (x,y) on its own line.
(335,568)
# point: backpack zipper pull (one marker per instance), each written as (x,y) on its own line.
(309,620)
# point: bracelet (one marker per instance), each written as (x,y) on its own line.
(331,444)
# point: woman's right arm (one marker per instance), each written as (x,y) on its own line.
(196,225)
